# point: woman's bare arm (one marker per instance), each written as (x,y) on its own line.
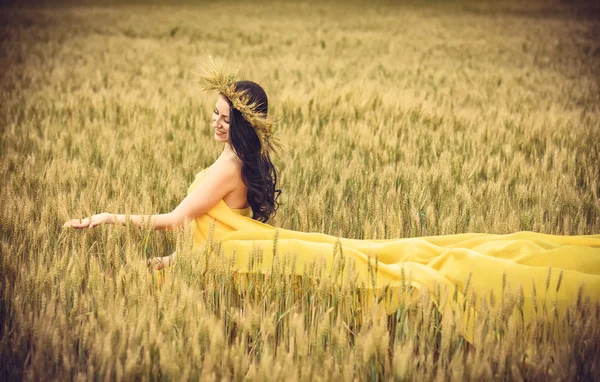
(221,179)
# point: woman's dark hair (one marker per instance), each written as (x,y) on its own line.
(258,172)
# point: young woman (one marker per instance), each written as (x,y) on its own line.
(232,199)
(243,177)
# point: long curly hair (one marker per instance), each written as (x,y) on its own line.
(258,172)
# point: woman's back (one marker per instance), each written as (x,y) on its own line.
(229,162)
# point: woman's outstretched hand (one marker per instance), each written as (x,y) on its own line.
(159,263)
(103,218)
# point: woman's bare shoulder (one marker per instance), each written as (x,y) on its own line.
(228,165)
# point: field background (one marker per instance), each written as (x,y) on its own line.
(398,119)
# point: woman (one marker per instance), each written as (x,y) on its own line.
(243,176)
(242,182)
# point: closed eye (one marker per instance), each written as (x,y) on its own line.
(225,119)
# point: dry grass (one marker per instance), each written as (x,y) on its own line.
(422,119)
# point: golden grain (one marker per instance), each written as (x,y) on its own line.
(400,120)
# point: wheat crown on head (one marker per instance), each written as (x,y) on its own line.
(217,76)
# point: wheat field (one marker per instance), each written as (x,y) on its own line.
(398,120)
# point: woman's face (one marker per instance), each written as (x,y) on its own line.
(221,120)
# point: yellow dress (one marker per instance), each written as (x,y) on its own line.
(521,258)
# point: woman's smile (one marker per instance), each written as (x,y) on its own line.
(221,119)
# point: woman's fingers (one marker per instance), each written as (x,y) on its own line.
(89,222)
(69,223)
(78,223)
(156,262)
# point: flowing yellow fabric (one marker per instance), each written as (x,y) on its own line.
(523,258)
